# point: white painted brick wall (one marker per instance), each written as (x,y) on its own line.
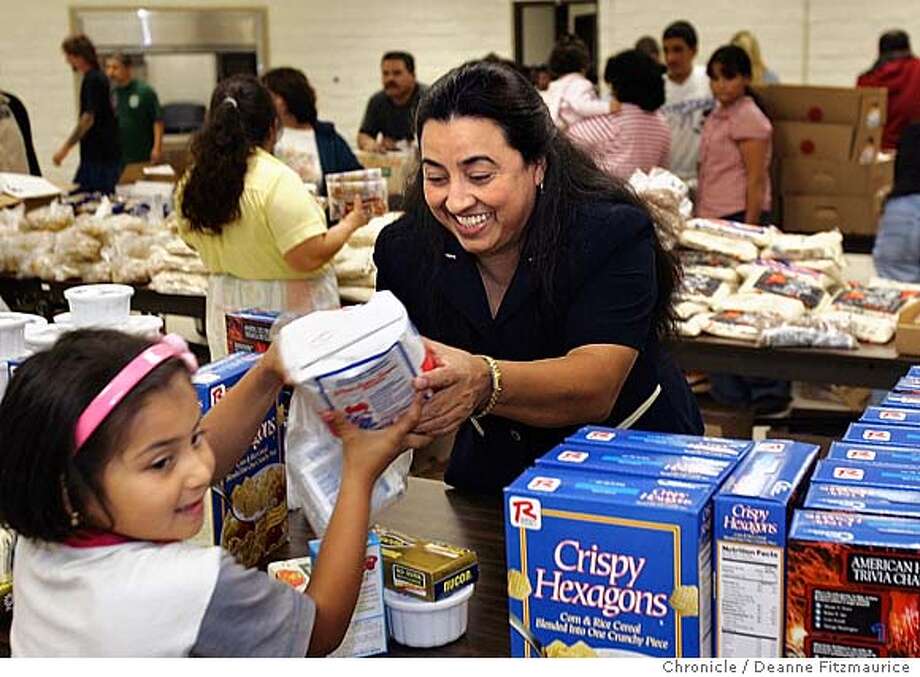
(338,44)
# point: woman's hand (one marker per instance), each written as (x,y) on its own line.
(459,385)
(367,453)
(357,217)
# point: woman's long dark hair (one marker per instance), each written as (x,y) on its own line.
(492,91)
(734,61)
(240,119)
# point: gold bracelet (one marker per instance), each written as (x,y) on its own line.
(496,387)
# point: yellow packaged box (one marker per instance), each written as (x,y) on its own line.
(428,570)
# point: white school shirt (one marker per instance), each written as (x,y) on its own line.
(139,598)
(298,150)
(684,107)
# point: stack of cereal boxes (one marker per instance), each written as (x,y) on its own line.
(609,545)
(854,554)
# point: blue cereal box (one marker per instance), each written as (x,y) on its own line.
(914,371)
(600,565)
(867,474)
(751,512)
(871,500)
(367,630)
(257,523)
(630,462)
(890,416)
(867,453)
(884,435)
(907,384)
(660,443)
(853,586)
(901,401)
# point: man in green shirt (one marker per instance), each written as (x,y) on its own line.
(140,117)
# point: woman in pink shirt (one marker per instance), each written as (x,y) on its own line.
(736,145)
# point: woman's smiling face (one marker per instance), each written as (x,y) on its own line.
(476,185)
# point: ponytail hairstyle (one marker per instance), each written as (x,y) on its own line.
(240,119)
(734,61)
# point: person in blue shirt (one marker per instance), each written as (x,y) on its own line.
(897,245)
(308,145)
(538,281)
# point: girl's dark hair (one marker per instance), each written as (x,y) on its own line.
(569,55)
(492,91)
(636,78)
(82,46)
(293,87)
(38,416)
(907,162)
(240,119)
(734,62)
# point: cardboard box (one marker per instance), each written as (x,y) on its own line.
(367,630)
(816,176)
(428,570)
(751,514)
(868,500)
(249,331)
(853,215)
(867,453)
(660,443)
(867,475)
(258,479)
(397,168)
(883,435)
(907,335)
(812,140)
(632,462)
(854,106)
(600,565)
(853,586)
(134,172)
(890,416)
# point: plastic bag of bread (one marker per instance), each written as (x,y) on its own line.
(871,311)
(355,294)
(827,245)
(709,263)
(174,282)
(692,326)
(743,250)
(21,248)
(796,283)
(94,273)
(366,236)
(702,289)
(161,261)
(353,263)
(759,236)
(12,219)
(739,325)
(770,304)
(127,270)
(55,216)
(73,245)
(814,331)
(687,309)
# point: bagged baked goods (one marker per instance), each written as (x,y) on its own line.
(72,245)
(740,325)
(761,303)
(741,249)
(176,282)
(713,264)
(871,311)
(797,283)
(759,236)
(55,216)
(811,331)
(366,236)
(703,289)
(352,263)
(827,245)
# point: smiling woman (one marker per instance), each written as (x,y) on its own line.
(538,280)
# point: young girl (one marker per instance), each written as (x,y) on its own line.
(736,145)
(571,97)
(257,228)
(105,464)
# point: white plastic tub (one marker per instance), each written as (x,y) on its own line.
(415,622)
(145,326)
(42,337)
(99,305)
(12,335)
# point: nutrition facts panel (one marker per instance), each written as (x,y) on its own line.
(750,600)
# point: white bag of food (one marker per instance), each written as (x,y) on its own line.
(813,332)
(760,236)
(827,245)
(872,311)
(703,289)
(739,325)
(360,361)
(756,302)
(737,248)
(709,263)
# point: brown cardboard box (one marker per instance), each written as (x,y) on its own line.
(907,338)
(134,172)
(813,140)
(852,106)
(852,214)
(397,168)
(814,176)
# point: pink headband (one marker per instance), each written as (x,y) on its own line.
(102,405)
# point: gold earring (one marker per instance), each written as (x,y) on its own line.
(68,506)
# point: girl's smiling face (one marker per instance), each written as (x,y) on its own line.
(727,89)
(155,485)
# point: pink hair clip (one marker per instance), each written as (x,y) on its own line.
(133,373)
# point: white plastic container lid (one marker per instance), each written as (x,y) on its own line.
(419,623)
(94,305)
(12,335)
(146,326)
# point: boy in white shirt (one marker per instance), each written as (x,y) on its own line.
(687,98)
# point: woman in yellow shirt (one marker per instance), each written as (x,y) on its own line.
(259,231)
